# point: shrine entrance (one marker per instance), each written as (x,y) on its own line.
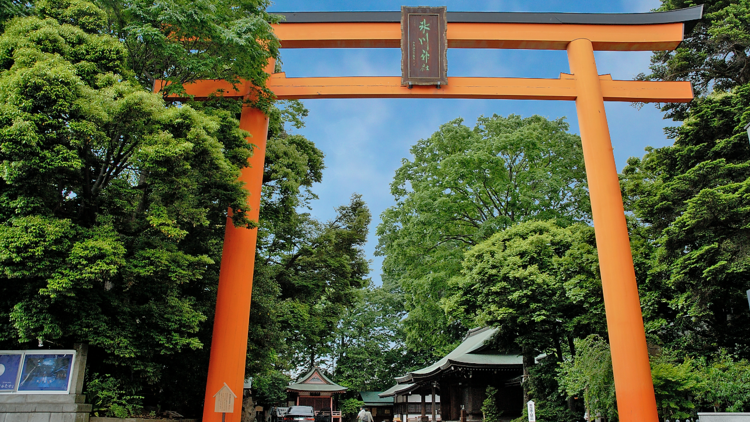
(424,75)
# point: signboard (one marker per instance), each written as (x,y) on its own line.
(9,365)
(46,372)
(424,46)
(224,400)
(531,411)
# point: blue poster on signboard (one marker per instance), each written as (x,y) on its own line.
(45,372)
(9,371)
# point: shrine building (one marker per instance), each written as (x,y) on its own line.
(316,390)
(459,381)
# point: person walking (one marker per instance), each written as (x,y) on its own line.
(368,416)
(361,415)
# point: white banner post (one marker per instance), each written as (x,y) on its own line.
(531,411)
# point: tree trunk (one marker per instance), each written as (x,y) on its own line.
(528,362)
(558,349)
(571,404)
(572,346)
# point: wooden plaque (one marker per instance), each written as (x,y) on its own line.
(224,400)
(424,46)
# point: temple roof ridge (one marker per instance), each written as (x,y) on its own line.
(473,352)
(315,380)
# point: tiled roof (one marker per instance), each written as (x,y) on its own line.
(315,380)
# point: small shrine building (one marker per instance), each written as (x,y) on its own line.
(380,407)
(459,381)
(316,390)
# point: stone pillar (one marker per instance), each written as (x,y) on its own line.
(79,368)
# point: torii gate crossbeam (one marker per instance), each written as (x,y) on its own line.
(580,35)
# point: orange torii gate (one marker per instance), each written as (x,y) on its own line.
(580,35)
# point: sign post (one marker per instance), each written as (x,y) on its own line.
(531,411)
(224,401)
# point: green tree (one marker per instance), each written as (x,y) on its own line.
(10,9)
(689,200)
(490,412)
(350,408)
(269,389)
(369,352)
(113,203)
(320,279)
(675,386)
(292,165)
(183,41)
(462,186)
(108,398)
(713,55)
(537,282)
(552,404)
(590,375)
(110,202)
(725,384)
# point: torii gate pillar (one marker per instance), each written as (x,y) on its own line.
(627,339)
(232,320)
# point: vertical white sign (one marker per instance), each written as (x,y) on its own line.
(532,411)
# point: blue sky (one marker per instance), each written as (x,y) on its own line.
(365,140)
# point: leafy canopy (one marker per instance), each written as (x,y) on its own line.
(182,41)
(461,187)
(537,282)
(110,202)
(692,203)
(590,375)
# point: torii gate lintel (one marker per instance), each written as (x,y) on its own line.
(562,89)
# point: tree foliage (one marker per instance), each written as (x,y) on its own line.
(714,55)
(320,279)
(369,350)
(107,199)
(590,375)
(350,407)
(675,384)
(183,41)
(690,201)
(113,203)
(462,186)
(269,389)
(10,9)
(537,282)
(725,384)
(490,412)
(690,212)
